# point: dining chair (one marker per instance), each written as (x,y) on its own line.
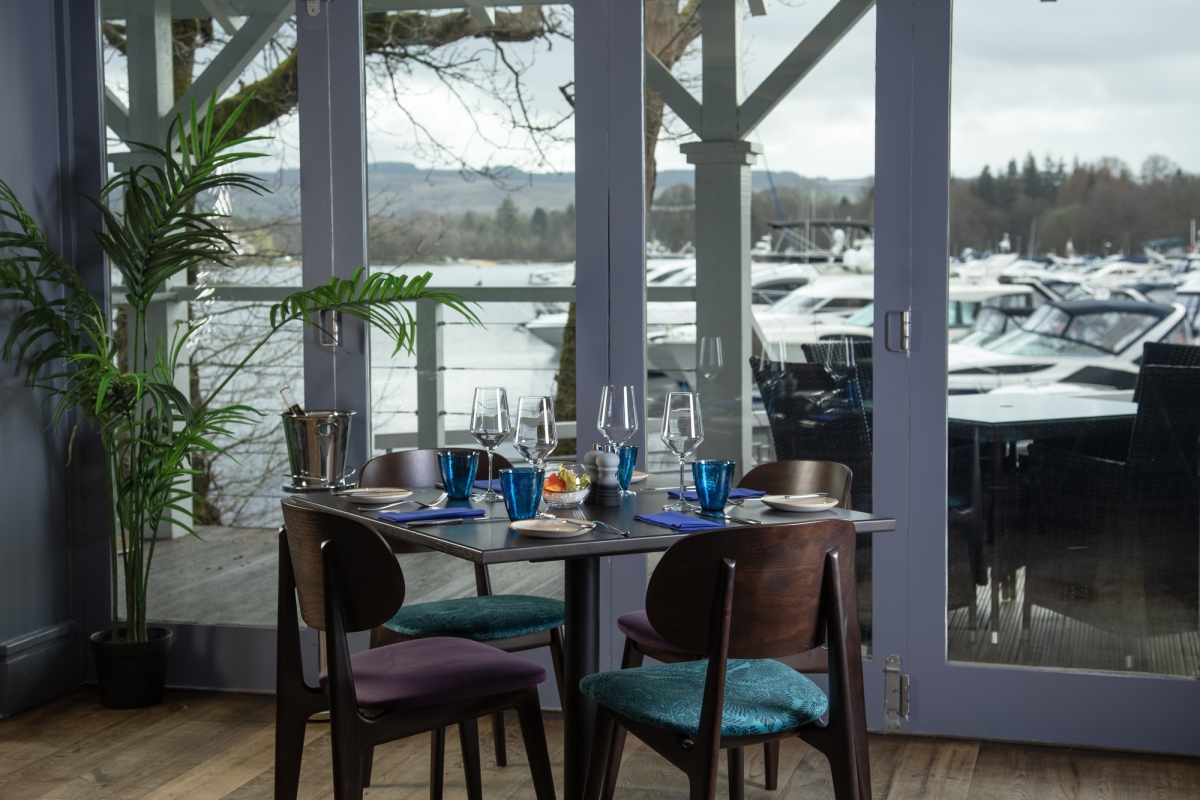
(641,640)
(743,597)
(508,622)
(346,580)
(1116,543)
(821,412)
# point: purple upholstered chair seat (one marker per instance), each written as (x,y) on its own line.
(636,625)
(426,672)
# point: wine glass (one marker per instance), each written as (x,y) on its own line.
(710,359)
(536,435)
(490,426)
(618,420)
(682,433)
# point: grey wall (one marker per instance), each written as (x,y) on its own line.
(53,557)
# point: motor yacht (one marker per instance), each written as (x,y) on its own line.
(1076,347)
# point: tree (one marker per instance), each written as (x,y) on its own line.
(1031,178)
(539,223)
(1157,168)
(1006,186)
(985,187)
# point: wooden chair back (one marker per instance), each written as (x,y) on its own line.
(407,468)
(777,597)
(801,477)
(370,578)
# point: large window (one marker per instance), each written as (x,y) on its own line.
(227,573)
(470,177)
(1074,533)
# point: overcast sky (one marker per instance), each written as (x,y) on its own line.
(1083,78)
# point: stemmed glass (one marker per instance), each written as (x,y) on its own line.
(536,435)
(490,426)
(618,419)
(682,433)
(710,359)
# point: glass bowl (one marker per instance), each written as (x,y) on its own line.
(567,499)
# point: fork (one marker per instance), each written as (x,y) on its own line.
(578,512)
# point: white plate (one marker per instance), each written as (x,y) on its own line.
(802,505)
(548,528)
(375,497)
(638,477)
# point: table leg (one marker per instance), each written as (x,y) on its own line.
(998,447)
(581,657)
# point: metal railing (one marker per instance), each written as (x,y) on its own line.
(430,367)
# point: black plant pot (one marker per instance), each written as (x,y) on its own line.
(132,674)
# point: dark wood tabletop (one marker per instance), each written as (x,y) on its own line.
(491,541)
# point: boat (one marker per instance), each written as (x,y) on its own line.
(1074,347)
(769,283)
(819,241)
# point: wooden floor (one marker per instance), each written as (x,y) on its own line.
(206,746)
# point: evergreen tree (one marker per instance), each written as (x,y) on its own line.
(1006,186)
(985,187)
(539,223)
(1031,178)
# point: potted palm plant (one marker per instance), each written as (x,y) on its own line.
(63,343)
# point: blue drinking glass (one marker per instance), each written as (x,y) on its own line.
(458,472)
(522,490)
(628,454)
(714,479)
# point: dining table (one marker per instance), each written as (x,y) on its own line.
(1001,421)
(490,541)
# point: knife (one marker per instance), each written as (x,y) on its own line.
(729,516)
(429,523)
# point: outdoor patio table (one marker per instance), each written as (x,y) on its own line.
(1004,419)
(492,542)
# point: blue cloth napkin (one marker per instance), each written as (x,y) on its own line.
(734,494)
(679,522)
(430,513)
(484,484)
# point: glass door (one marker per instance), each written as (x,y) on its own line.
(1052,561)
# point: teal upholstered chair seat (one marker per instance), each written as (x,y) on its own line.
(760,696)
(500,616)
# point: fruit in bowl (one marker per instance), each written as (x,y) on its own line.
(566,488)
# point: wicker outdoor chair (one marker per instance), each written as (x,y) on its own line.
(820,413)
(1117,544)
(1166,355)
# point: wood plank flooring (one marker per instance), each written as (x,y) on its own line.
(211,746)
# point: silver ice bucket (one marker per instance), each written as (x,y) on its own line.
(316,444)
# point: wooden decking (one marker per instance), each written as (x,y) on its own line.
(206,746)
(1057,641)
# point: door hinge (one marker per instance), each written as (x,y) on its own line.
(895,696)
(313,7)
(905,331)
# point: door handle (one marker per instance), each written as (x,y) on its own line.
(905,331)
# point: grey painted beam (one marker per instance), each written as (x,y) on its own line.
(233,59)
(148,47)
(819,41)
(431,392)
(333,198)
(182,9)
(477,294)
(484,15)
(674,94)
(116,115)
(224,14)
(758,8)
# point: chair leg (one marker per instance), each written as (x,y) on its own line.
(468,738)
(437,764)
(533,732)
(498,737)
(602,767)
(290,726)
(737,773)
(347,767)
(771,762)
(556,657)
(368,761)
(616,749)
